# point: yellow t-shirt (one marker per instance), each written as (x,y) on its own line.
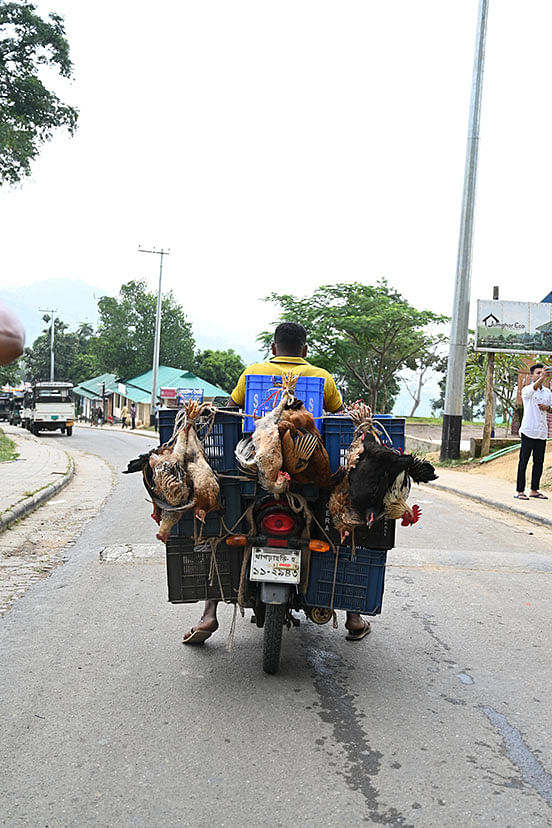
(295,365)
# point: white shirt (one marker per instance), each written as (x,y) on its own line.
(534,423)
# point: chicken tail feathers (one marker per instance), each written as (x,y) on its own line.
(137,464)
(421,471)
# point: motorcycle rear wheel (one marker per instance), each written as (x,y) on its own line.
(272,639)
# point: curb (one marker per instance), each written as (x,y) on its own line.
(495,504)
(31,503)
(153,435)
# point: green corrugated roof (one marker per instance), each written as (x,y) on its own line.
(171,378)
(92,388)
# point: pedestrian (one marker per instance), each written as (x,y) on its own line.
(133,416)
(99,416)
(125,416)
(537,400)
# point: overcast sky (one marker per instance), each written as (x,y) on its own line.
(280,146)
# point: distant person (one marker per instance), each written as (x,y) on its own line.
(125,416)
(12,336)
(537,400)
(133,416)
(99,416)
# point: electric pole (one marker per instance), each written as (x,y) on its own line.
(157,339)
(454,394)
(51,312)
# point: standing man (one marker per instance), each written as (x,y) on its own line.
(133,416)
(537,400)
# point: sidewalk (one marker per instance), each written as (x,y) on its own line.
(492,491)
(153,435)
(40,471)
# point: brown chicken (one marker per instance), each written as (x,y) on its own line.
(268,447)
(305,457)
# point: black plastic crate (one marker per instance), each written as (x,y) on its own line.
(380,536)
(219,443)
(191,575)
(230,499)
(359,580)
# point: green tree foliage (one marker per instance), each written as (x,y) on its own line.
(124,345)
(11,374)
(29,112)
(221,368)
(363,334)
(73,357)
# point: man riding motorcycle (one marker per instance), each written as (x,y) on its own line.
(289,350)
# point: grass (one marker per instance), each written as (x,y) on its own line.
(7,448)
(437,421)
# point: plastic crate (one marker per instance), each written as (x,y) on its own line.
(262,394)
(219,444)
(359,580)
(380,536)
(230,498)
(339,430)
(192,577)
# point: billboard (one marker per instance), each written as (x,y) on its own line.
(514,327)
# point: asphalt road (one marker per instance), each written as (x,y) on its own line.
(441,717)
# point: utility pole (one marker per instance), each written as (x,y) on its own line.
(488,428)
(52,313)
(454,394)
(157,339)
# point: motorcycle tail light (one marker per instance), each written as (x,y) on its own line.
(278,523)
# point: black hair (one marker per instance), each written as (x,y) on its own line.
(291,338)
(536,365)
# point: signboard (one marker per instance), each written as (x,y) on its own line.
(514,327)
(187,394)
(122,389)
(168,393)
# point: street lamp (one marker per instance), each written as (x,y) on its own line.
(51,312)
(157,339)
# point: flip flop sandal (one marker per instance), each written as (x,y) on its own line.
(358,636)
(521,497)
(539,496)
(197,637)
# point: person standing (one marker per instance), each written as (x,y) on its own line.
(125,416)
(133,416)
(537,400)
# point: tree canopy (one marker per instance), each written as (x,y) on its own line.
(221,368)
(29,112)
(73,359)
(363,334)
(125,339)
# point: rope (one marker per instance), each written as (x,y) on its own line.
(231,634)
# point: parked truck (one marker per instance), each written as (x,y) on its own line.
(49,406)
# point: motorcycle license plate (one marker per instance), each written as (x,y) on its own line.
(269,564)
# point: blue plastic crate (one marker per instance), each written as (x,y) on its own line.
(359,580)
(262,394)
(339,430)
(219,444)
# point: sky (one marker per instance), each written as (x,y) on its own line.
(280,146)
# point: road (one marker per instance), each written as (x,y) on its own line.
(441,717)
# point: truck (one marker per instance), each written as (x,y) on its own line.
(49,406)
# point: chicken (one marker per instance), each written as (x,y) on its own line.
(178,471)
(268,447)
(377,480)
(305,457)
(381,480)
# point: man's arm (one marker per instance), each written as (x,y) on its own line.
(12,336)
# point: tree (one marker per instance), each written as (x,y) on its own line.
(221,368)
(11,374)
(37,357)
(363,334)
(29,112)
(430,362)
(124,345)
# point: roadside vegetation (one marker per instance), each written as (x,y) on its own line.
(7,448)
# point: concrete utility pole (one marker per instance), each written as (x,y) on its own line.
(157,339)
(52,317)
(454,394)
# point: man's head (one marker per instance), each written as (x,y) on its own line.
(290,339)
(536,371)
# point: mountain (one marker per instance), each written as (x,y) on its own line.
(73,300)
